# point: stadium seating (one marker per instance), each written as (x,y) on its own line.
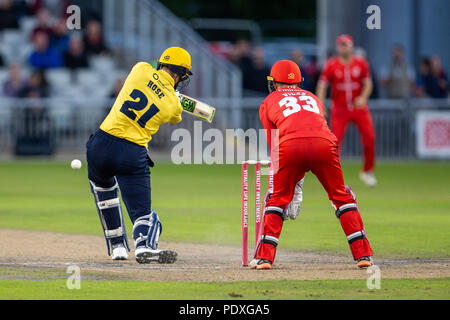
(59,79)
(27,24)
(98,80)
(102,64)
(3,76)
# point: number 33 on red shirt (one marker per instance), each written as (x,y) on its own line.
(295,104)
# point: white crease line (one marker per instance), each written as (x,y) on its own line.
(104,266)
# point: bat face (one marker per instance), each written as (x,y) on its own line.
(197,108)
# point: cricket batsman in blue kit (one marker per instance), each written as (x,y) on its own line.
(117,155)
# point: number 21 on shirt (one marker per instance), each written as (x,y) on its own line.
(139,105)
(296,104)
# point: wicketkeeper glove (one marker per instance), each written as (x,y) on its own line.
(293,208)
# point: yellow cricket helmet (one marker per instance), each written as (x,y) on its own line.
(176,56)
(178,61)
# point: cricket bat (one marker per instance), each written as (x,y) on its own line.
(197,108)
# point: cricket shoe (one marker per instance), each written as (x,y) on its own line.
(368,178)
(364,262)
(146,255)
(260,264)
(119,252)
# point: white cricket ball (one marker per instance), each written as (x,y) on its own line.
(76,164)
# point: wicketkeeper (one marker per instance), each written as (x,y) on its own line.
(118,159)
(305,143)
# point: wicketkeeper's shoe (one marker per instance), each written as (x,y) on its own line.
(119,252)
(364,262)
(260,264)
(368,178)
(146,255)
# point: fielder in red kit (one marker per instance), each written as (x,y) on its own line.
(351,86)
(305,143)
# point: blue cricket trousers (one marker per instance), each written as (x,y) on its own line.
(109,157)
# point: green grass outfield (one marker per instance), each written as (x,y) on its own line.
(262,290)
(406,216)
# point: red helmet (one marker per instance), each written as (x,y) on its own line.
(284,71)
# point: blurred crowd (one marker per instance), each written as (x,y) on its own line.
(401,80)
(255,69)
(397,80)
(40,57)
(52,45)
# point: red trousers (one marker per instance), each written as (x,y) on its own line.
(363,122)
(321,157)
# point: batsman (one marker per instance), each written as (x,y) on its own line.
(305,143)
(118,159)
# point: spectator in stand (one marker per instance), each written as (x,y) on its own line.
(76,56)
(22,8)
(234,55)
(13,86)
(312,73)
(93,40)
(8,16)
(44,57)
(240,53)
(57,7)
(37,86)
(439,78)
(432,79)
(298,57)
(33,121)
(60,36)
(44,24)
(398,77)
(255,74)
(424,79)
